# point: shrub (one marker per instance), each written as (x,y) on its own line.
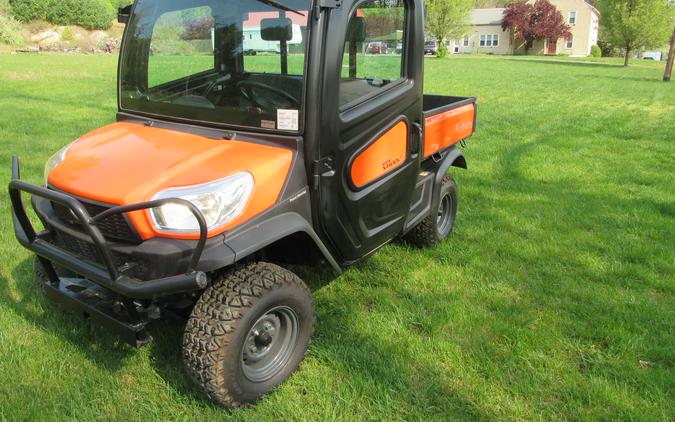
(116,4)
(596,51)
(10,30)
(608,50)
(28,10)
(89,14)
(68,34)
(442,51)
(99,15)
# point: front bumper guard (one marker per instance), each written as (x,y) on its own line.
(106,275)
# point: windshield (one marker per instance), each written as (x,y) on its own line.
(231,62)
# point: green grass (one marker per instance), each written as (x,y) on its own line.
(618,61)
(165,68)
(553,300)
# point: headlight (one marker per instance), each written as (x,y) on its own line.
(54,161)
(220,202)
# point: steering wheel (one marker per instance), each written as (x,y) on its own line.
(215,83)
(247,88)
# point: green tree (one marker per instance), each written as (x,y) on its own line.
(485,4)
(636,24)
(447,19)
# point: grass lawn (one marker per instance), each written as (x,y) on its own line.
(616,61)
(553,300)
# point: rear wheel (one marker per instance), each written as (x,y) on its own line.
(438,225)
(248,333)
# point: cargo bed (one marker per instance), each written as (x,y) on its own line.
(447,120)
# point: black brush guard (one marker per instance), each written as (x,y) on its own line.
(107,275)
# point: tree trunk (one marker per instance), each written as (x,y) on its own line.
(627,58)
(671,58)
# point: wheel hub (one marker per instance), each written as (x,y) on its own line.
(269,344)
(444,216)
(263,340)
(261,337)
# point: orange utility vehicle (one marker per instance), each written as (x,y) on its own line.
(249,133)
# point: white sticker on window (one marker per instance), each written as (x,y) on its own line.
(268,124)
(287,119)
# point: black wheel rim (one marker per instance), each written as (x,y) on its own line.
(269,344)
(444,217)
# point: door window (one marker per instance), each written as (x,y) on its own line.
(374,48)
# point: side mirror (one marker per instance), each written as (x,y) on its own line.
(356,30)
(276,29)
(123,14)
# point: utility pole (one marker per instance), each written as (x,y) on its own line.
(671,58)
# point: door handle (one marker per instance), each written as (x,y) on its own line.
(416,138)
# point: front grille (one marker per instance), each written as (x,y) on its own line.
(129,265)
(114,227)
(82,249)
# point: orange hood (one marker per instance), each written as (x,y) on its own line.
(125,163)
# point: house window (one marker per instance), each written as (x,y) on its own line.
(466,41)
(572,18)
(489,40)
(569,42)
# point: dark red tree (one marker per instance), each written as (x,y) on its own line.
(198,28)
(540,20)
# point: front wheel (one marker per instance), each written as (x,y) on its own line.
(438,225)
(248,333)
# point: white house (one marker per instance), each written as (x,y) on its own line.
(487,36)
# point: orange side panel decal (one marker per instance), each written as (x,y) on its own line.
(384,155)
(447,128)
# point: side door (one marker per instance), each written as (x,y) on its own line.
(371,123)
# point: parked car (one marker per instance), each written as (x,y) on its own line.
(377,48)
(430,47)
(652,55)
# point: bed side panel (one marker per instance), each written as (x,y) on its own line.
(447,128)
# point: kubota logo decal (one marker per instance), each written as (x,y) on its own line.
(463,126)
(390,163)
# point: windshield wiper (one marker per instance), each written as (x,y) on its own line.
(280,6)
